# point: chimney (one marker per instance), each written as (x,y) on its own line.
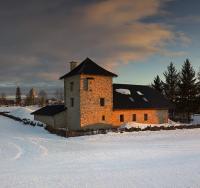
(73,64)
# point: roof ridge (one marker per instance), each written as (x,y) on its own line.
(131,85)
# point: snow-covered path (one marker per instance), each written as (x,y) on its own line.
(31,157)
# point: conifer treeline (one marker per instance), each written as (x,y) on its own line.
(182,88)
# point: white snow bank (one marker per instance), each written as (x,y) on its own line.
(7,109)
(22,113)
(130,125)
(123,91)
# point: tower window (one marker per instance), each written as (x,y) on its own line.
(72,102)
(103,118)
(134,117)
(145,117)
(71,86)
(102,102)
(85,84)
(121,118)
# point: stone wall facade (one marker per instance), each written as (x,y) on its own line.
(91,112)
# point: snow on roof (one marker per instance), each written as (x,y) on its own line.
(139,93)
(145,99)
(123,91)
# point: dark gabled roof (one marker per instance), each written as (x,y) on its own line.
(141,97)
(50,110)
(89,67)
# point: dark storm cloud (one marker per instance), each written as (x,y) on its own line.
(37,38)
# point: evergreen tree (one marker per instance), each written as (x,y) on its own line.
(171,82)
(31,96)
(187,89)
(157,84)
(18,96)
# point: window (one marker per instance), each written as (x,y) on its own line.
(85,84)
(72,102)
(145,117)
(121,118)
(102,102)
(71,86)
(134,117)
(103,118)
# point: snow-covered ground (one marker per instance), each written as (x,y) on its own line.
(30,157)
(20,112)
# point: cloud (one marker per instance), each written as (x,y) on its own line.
(38,38)
(189,19)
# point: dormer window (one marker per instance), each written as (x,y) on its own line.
(71,86)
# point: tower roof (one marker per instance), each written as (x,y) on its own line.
(50,110)
(89,67)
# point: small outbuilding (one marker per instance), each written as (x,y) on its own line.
(52,115)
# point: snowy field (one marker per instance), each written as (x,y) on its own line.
(30,157)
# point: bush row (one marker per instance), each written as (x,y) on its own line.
(67,133)
(155,128)
(24,121)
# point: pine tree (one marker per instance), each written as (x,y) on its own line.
(157,84)
(31,96)
(187,89)
(18,96)
(171,82)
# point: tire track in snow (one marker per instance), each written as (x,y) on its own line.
(19,153)
(44,150)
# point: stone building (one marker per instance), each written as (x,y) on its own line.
(93,101)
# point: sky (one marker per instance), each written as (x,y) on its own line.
(137,39)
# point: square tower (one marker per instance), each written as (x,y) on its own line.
(88,96)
